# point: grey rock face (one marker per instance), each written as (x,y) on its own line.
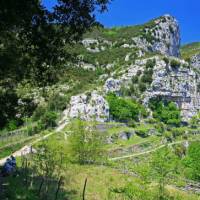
(178,85)
(95,46)
(112,85)
(165,37)
(195,61)
(126,135)
(88,107)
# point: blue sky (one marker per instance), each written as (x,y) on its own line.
(131,12)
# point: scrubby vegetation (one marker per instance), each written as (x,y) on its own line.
(166,111)
(124,110)
(189,50)
(139,153)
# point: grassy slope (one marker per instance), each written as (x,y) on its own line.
(188,50)
(100,178)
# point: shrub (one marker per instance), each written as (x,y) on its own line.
(165,111)
(58,102)
(123,109)
(160,127)
(39,112)
(147,76)
(166,60)
(192,161)
(12,125)
(132,124)
(142,87)
(49,119)
(174,63)
(135,79)
(150,63)
(168,135)
(178,132)
(86,144)
(32,130)
(139,72)
(142,132)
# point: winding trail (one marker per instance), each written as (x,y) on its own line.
(28,148)
(152,150)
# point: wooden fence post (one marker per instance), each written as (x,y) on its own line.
(84,188)
(58,188)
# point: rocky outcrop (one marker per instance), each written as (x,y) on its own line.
(195,61)
(177,84)
(162,37)
(87,107)
(112,85)
(96,45)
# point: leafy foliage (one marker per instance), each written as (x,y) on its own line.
(175,64)
(163,164)
(192,160)
(86,144)
(49,119)
(124,109)
(165,111)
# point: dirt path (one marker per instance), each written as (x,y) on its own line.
(152,150)
(28,148)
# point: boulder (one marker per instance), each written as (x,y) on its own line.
(88,107)
(126,135)
(112,85)
(195,61)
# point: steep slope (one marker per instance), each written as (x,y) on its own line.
(191,52)
(135,62)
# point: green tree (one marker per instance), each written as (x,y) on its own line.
(86,144)
(192,160)
(165,111)
(33,41)
(163,164)
(48,120)
(124,109)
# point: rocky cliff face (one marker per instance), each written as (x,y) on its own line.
(91,106)
(195,61)
(163,37)
(177,84)
(169,77)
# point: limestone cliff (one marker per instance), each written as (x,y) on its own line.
(128,61)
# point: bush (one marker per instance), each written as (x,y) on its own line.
(48,120)
(174,63)
(135,79)
(132,124)
(142,87)
(123,109)
(32,130)
(86,144)
(178,131)
(166,60)
(12,125)
(58,102)
(192,161)
(168,135)
(142,132)
(160,127)
(139,72)
(150,63)
(147,76)
(39,112)
(165,111)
